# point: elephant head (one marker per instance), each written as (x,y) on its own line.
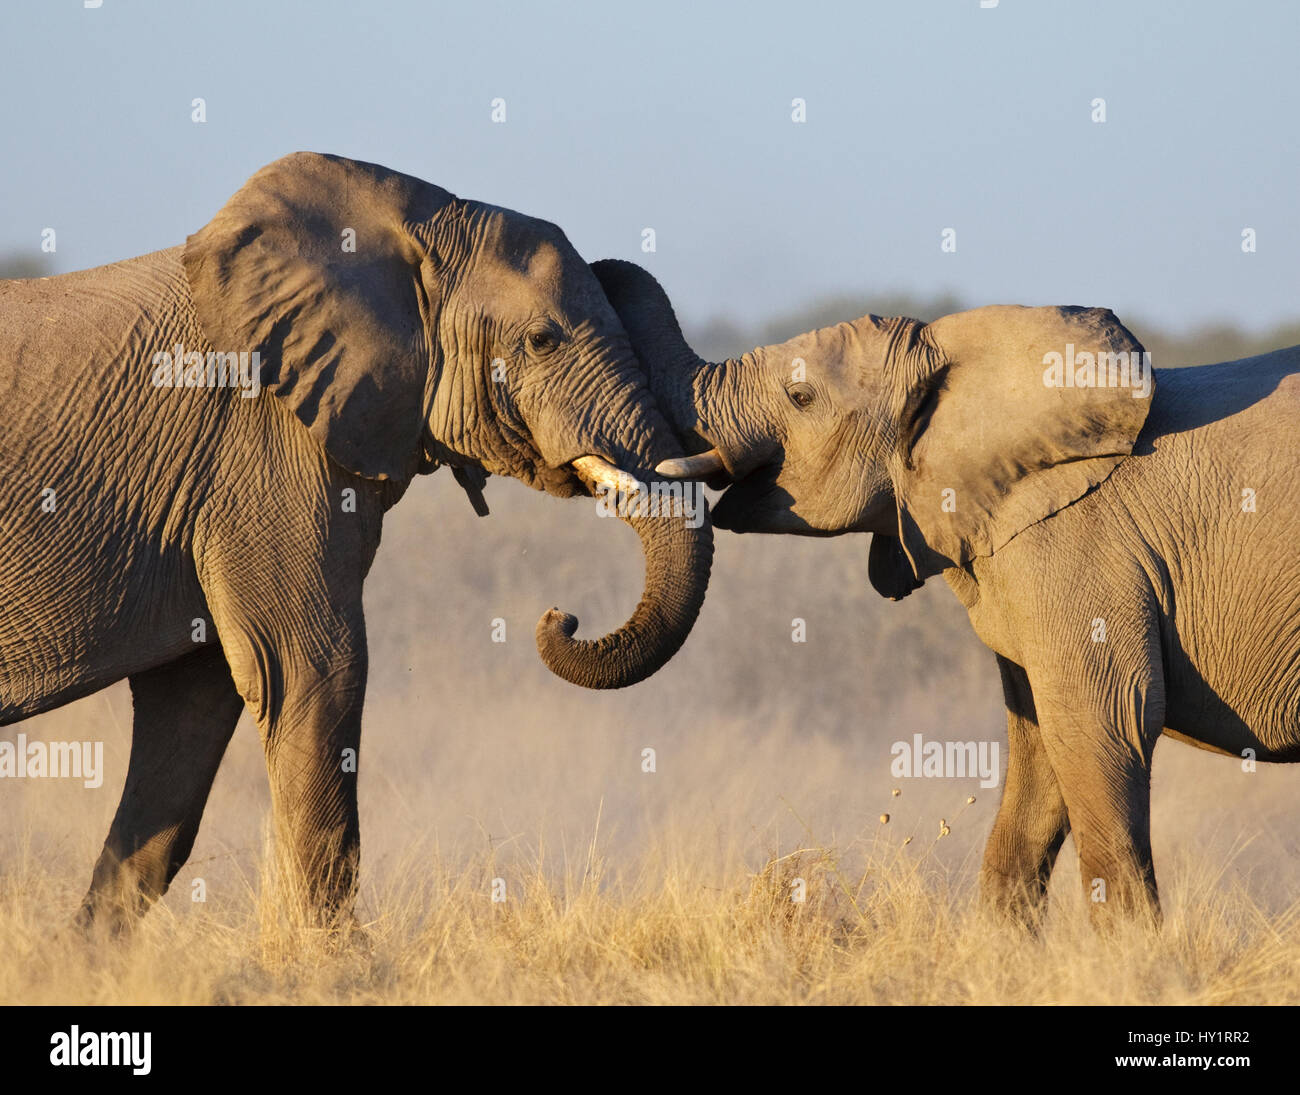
(407,328)
(944,440)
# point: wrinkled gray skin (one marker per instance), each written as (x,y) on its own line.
(1171,521)
(212,548)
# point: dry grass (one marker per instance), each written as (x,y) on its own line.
(892,928)
(773,763)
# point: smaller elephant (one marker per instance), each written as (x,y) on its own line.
(198,449)
(1127,550)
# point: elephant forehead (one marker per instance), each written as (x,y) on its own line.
(543,280)
(524,243)
(550,269)
(824,352)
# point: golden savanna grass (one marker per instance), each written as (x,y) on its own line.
(891,929)
(623,886)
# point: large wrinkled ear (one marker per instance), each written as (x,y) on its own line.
(324,266)
(1011,414)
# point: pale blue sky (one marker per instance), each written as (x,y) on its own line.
(921,116)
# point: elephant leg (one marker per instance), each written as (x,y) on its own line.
(1100,742)
(312,748)
(1032,821)
(297,652)
(184,715)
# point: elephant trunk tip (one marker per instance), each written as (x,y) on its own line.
(590,663)
(554,625)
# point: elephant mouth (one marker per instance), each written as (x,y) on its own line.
(751,500)
(748,503)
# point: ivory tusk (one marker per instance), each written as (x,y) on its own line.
(601,472)
(692,467)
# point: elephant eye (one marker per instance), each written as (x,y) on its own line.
(542,341)
(801,395)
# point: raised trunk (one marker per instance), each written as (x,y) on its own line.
(682,382)
(677,563)
(672,367)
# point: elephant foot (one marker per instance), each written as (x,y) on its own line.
(1013,900)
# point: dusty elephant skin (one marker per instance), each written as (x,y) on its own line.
(202,524)
(1128,551)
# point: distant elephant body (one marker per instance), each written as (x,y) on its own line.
(1127,549)
(198,447)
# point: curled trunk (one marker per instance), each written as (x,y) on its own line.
(677,563)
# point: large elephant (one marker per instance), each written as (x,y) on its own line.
(1129,552)
(165,525)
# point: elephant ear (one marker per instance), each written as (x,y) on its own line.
(318,263)
(1011,414)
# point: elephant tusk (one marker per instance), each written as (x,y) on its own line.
(601,472)
(692,467)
